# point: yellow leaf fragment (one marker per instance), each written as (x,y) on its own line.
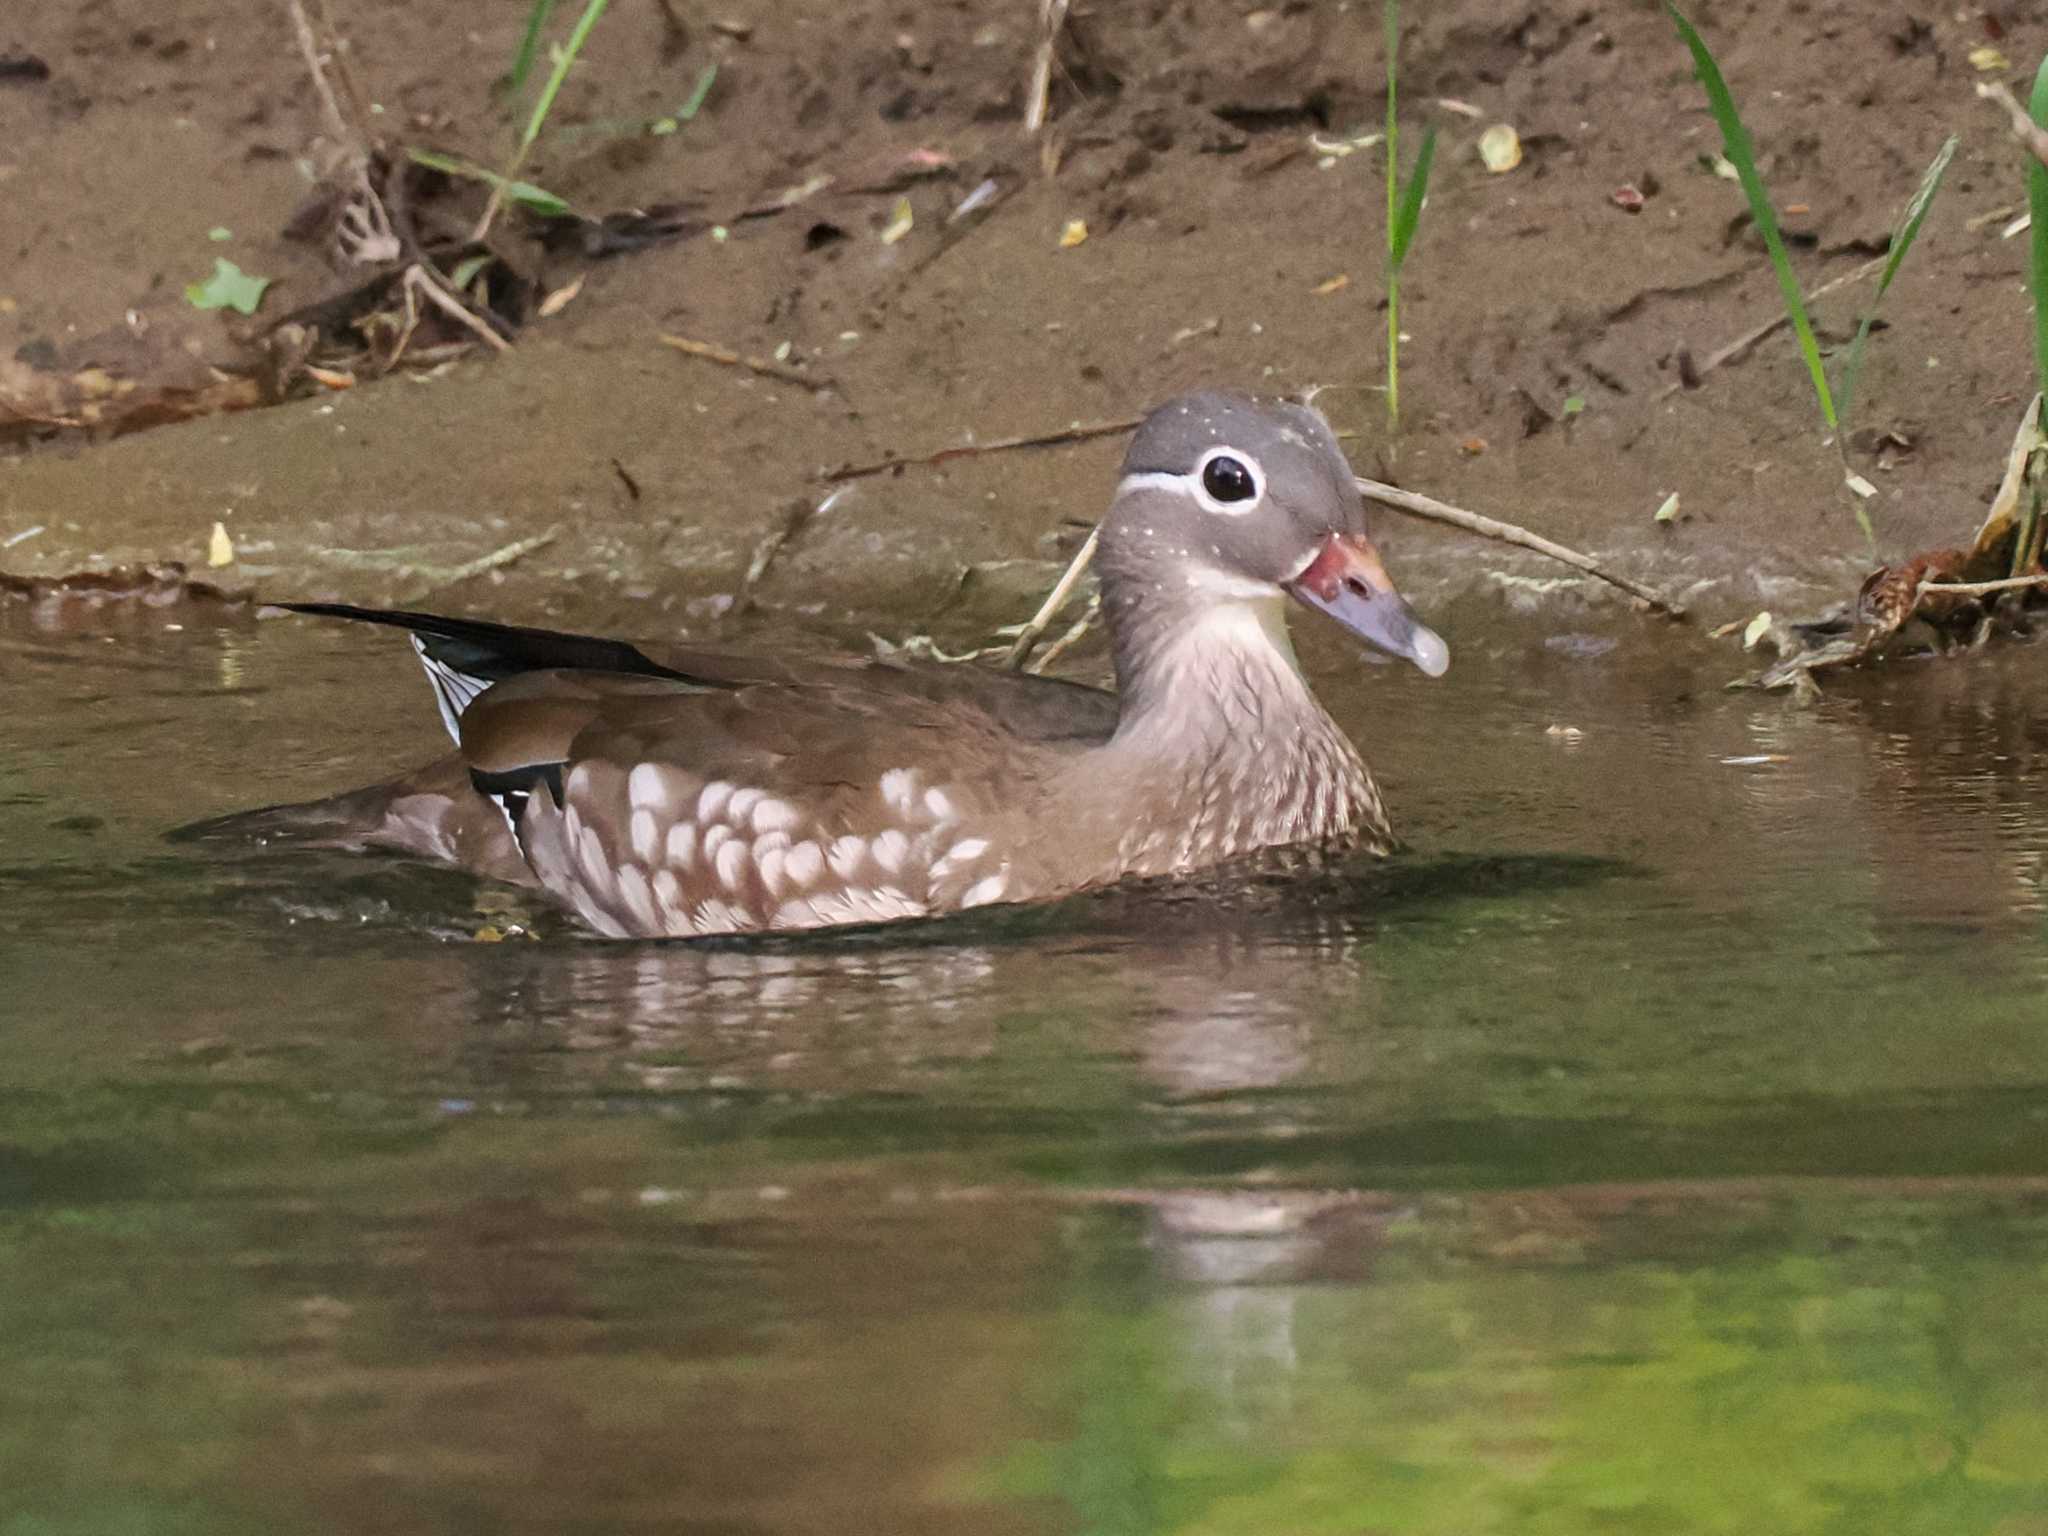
(560,299)
(1988,60)
(1075,232)
(220,549)
(1500,147)
(1756,629)
(899,222)
(1335,284)
(1668,508)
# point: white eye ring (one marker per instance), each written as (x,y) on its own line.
(1199,481)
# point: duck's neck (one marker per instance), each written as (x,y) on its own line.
(1221,744)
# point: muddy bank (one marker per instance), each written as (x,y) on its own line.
(1216,234)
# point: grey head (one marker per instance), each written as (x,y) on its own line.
(1229,499)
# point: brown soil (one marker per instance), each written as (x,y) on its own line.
(1181,130)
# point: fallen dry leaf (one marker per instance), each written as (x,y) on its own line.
(1335,284)
(220,549)
(560,299)
(1500,147)
(1075,232)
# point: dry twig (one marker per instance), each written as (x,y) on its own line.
(418,276)
(1052,15)
(2030,133)
(1080,432)
(713,353)
(1055,600)
(1738,348)
(1981,588)
(1507,533)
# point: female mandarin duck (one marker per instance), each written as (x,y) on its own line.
(686,793)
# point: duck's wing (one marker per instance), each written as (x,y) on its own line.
(657,808)
(464,657)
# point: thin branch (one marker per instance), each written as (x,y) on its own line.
(1075,631)
(1507,533)
(1052,16)
(496,560)
(309,47)
(1981,588)
(713,353)
(417,276)
(2030,133)
(1080,432)
(1055,600)
(1741,345)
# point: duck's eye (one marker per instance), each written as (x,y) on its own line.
(1228,479)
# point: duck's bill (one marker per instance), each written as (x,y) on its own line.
(1347,580)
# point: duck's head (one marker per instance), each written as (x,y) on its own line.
(1225,499)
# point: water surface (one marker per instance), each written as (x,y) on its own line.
(1659,1146)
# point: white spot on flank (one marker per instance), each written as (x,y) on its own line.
(732,863)
(579,780)
(768,865)
(966,851)
(638,898)
(938,806)
(890,850)
(668,890)
(805,863)
(899,788)
(982,892)
(682,844)
(846,855)
(773,815)
(711,803)
(646,836)
(740,809)
(714,839)
(647,786)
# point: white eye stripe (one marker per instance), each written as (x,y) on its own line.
(1191,484)
(1154,480)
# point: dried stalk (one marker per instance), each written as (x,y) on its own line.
(1741,345)
(1052,15)
(1507,533)
(711,352)
(1080,432)
(1055,600)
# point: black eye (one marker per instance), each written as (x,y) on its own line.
(1227,479)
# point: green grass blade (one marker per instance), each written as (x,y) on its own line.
(1390,13)
(529,47)
(698,92)
(1903,236)
(2037,202)
(1742,155)
(1409,214)
(1390,16)
(539,199)
(563,61)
